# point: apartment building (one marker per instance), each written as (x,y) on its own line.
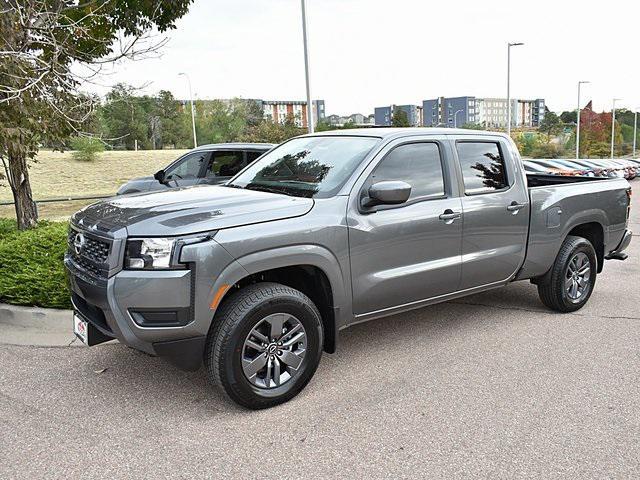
(488,112)
(355,118)
(449,112)
(280,110)
(384,115)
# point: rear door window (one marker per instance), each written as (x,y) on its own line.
(225,164)
(251,156)
(483,167)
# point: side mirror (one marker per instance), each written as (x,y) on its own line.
(387,193)
(160,176)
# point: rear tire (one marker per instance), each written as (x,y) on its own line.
(265,345)
(570,282)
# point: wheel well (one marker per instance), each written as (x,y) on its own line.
(311,281)
(593,232)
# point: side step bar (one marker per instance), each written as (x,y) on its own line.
(617,256)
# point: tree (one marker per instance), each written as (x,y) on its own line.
(272,132)
(473,126)
(48,48)
(569,117)
(167,110)
(400,118)
(551,124)
(125,117)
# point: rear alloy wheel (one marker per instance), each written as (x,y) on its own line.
(570,282)
(577,277)
(265,345)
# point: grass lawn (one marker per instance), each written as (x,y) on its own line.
(57,174)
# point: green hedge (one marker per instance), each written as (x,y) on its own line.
(31,265)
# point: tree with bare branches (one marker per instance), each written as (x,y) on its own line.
(50,49)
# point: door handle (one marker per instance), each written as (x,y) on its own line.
(448,216)
(515,207)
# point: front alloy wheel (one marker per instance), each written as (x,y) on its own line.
(274,350)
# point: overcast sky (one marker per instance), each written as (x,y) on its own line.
(367,53)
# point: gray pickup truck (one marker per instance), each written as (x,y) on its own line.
(257,277)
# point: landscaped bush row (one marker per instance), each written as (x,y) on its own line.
(31,265)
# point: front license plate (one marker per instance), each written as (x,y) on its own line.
(80,328)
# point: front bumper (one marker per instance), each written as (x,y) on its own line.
(151,311)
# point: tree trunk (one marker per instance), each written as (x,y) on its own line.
(26,210)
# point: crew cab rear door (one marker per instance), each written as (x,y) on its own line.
(495,205)
(402,254)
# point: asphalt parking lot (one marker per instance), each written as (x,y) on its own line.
(492,385)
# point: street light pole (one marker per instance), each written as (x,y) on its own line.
(455,118)
(635,131)
(306,66)
(193,114)
(578,121)
(613,124)
(509,45)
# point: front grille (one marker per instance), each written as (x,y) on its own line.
(93,254)
(94,249)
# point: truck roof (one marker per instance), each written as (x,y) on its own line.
(397,132)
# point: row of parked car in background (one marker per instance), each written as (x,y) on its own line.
(612,168)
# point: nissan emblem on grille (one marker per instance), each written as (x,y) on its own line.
(78,243)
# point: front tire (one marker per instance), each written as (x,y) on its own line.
(265,345)
(570,282)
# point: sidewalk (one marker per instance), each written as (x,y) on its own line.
(42,327)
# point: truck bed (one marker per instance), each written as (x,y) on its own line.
(543,180)
(559,204)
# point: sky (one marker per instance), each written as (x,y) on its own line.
(368,53)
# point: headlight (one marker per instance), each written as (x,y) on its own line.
(149,253)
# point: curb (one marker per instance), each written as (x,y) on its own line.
(41,327)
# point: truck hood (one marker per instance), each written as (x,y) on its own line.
(188,210)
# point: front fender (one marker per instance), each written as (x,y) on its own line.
(270,259)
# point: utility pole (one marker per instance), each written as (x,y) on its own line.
(635,131)
(509,45)
(578,121)
(310,121)
(613,124)
(193,113)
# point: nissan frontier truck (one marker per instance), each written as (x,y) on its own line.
(256,278)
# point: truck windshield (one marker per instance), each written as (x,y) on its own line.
(312,167)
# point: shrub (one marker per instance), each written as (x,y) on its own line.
(86,148)
(546,150)
(7,227)
(31,265)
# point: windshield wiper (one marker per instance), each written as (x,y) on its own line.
(231,185)
(262,188)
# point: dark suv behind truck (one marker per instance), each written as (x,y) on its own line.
(257,277)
